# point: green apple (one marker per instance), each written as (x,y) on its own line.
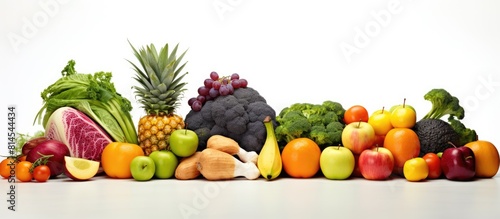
(165,163)
(183,142)
(142,168)
(336,162)
(381,122)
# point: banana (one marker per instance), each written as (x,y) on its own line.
(269,159)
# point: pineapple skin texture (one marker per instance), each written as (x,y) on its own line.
(154,131)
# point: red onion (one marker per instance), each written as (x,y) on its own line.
(50,147)
(30,144)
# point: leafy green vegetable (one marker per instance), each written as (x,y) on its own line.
(320,122)
(94,95)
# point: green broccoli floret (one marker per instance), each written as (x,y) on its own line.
(318,133)
(335,107)
(331,117)
(292,126)
(443,103)
(466,135)
(314,110)
(288,114)
(315,118)
(319,122)
(300,106)
(336,127)
(328,135)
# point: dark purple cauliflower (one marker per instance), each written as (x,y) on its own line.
(238,116)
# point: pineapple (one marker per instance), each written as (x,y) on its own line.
(160,78)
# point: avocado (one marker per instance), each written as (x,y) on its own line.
(435,135)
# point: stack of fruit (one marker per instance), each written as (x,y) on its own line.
(384,144)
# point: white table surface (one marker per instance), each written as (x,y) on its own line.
(318,197)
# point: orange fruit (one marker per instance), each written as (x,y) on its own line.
(403,144)
(487,158)
(300,158)
(116,158)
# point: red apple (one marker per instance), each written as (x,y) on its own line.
(376,163)
(458,163)
(358,136)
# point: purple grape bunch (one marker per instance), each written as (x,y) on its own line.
(215,86)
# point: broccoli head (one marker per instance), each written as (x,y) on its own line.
(238,116)
(465,135)
(443,103)
(321,123)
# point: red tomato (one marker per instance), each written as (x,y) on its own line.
(434,163)
(355,114)
(41,173)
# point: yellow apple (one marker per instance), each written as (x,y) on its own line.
(403,116)
(380,120)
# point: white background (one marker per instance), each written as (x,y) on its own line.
(290,51)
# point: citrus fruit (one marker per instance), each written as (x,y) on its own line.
(116,158)
(301,157)
(487,158)
(403,144)
(80,169)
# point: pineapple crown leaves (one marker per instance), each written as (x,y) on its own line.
(160,78)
